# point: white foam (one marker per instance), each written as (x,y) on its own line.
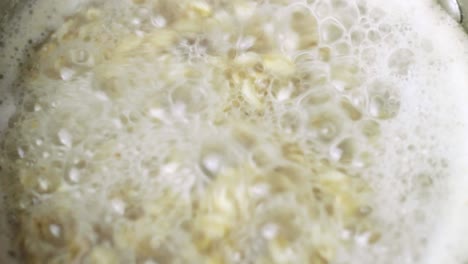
(414,49)
(441,115)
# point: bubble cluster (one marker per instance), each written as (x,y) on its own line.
(217,132)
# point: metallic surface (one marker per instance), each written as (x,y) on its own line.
(8,8)
(458,9)
(464,13)
(453,8)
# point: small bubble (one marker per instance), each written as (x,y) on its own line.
(326,126)
(270,231)
(81,57)
(65,137)
(345,75)
(350,110)
(37,108)
(365,210)
(290,122)
(118,206)
(29,104)
(342,48)
(246,43)
(384,102)
(45,184)
(323,9)
(335,153)
(373,36)
(158,21)
(214,158)
(211,163)
(357,37)
(318,97)
(362,240)
(384,107)
(259,190)
(134,212)
(21,153)
(50,230)
(305,24)
(170,168)
(283,95)
(370,128)
(346,234)
(192,100)
(74,176)
(135,21)
(344,152)
(331,31)
(55,230)
(325,54)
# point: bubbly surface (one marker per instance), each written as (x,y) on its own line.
(320,131)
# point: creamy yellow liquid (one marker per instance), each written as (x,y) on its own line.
(237,132)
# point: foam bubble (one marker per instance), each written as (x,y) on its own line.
(170,110)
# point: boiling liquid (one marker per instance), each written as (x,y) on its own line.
(298,132)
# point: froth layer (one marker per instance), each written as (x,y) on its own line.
(245,119)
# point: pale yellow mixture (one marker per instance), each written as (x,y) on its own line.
(200,132)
